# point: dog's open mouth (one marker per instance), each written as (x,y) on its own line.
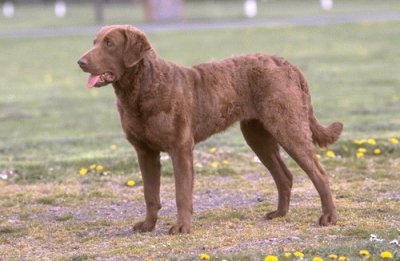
(100,79)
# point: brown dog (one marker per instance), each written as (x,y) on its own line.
(167,107)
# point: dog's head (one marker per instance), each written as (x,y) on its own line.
(115,49)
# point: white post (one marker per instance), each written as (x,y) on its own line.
(60,8)
(8,9)
(326,4)
(250,8)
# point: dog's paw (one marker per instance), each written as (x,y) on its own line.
(328,219)
(144,226)
(179,228)
(274,214)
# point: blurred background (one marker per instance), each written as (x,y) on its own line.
(62,13)
(50,124)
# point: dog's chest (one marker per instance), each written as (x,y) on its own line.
(130,122)
(155,131)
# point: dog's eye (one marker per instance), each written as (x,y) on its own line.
(108,42)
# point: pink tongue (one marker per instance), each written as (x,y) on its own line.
(93,79)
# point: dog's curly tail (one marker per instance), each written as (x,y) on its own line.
(321,135)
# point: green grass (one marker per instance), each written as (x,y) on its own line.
(52,126)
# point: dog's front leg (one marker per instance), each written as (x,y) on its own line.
(149,163)
(182,160)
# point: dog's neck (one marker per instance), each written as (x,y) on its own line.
(132,77)
(135,80)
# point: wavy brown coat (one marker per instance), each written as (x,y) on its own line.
(168,107)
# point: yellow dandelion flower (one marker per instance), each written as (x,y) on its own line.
(271,258)
(343,258)
(93,166)
(317,258)
(113,147)
(371,141)
(99,168)
(362,150)
(225,162)
(386,255)
(215,164)
(333,256)
(377,151)
(330,154)
(204,256)
(130,183)
(83,171)
(287,254)
(298,254)
(213,150)
(359,155)
(360,141)
(364,252)
(394,140)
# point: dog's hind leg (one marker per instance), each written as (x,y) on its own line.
(293,133)
(267,150)
(285,114)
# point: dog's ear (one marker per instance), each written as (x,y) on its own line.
(136,45)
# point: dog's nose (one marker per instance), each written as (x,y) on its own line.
(82,62)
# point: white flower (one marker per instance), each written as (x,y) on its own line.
(374,237)
(164,157)
(395,242)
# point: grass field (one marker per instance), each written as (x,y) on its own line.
(52,127)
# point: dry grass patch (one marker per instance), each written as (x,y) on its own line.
(85,218)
